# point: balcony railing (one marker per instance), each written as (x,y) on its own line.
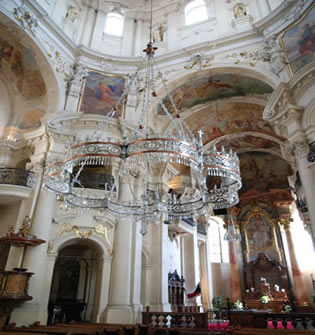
(19,177)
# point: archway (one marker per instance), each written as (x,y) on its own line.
(76,283)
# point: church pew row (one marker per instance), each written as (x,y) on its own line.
(83,328)
(260,331)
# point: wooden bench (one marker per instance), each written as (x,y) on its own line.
(84,329)
(260,331)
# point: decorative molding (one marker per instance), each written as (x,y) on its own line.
(299,147)
(26,19)
(67,227)
(311,154)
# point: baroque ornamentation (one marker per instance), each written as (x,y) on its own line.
(67,227)
(26,19)
(60,64)
(311,154)
(299,147)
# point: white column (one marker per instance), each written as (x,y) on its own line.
(138,46)
(97,30)
(89,23)
(103,286)
(263,7)
(119,309)
(159,284)
(191,265)
(206,276)
(38,261)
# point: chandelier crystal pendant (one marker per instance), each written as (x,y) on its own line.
(144,149)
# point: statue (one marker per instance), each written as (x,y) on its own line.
(72,14)
(239,10)
(26,226)
(264,287)
(277,61)
(158,35)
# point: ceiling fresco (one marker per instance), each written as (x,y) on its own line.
(226,117)
(248,142)
(31,120)
(18,65)
(263,172)
(212,87)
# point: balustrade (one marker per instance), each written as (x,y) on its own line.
(19,177)
(175,320)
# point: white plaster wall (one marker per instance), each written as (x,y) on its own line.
(8,216)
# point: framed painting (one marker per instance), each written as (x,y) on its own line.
(298,41)
(260,235)
(100,93)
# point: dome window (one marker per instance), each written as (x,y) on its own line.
(114,24)
(195,11)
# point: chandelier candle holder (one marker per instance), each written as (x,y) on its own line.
(144,149)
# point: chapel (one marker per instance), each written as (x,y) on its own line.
(155,156)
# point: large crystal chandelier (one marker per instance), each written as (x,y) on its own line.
(145,148)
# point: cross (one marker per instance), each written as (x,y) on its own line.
(200,132)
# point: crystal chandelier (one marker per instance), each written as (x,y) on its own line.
(231,233)
(145,148)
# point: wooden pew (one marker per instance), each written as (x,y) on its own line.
(266,331)
(84,329)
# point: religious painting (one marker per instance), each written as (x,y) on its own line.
(212,87)
(221,118)
(263,172)
(260,235)
(298,41)
(248,142)
(100,93)
(19,65)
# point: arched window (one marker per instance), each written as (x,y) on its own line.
(219,248)
(195,11)
(114,24)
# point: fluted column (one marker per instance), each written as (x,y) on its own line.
(299,284)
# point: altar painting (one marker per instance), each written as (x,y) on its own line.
(260,236)
(100,93)
(298,41)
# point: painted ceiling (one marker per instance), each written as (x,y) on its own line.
(215,86)
(222,118)
(263,172)
(23,79)
(18,65)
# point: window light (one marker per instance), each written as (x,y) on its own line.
(114,24)
(195,11)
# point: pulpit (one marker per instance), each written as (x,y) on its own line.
(176,291)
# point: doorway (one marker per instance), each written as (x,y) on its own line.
(75,280)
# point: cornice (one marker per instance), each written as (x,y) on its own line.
(284,97)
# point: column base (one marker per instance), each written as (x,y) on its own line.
(161,308)
(29,313)
(119,314)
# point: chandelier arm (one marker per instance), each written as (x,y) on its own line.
(146,100)
(180,128)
